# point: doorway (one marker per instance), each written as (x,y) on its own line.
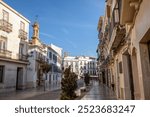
(103,77)
(19,80)
(117,79)
(128,76)
(135,75)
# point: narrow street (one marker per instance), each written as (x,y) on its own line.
(99,92)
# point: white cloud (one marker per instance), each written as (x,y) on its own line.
(79,25)
(71,43)
(48,35)
(64,30)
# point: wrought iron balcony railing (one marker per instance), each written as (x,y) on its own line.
(5,26)
(22,57)
(22,34)
(40,58)
(5,53)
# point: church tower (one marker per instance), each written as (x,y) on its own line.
(35,37)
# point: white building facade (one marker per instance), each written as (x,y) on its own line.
(55,59)
(81,65)
(39,53)
(14,30)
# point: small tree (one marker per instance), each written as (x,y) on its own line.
(45,68)
(86,79)
(68,85)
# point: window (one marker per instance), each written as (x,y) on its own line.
(88,65)
(116,15)
(21,49)
(149,49)
(66,64)
(1,73)
(72,64)
(0,44)
(120,67)
(54,58)
(50,55)
(76,64)
(90,72)
(3,41)
(22,25)
(4,45)
(5,15)
(53,77)
(50,79)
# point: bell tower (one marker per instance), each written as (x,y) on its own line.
(35,37)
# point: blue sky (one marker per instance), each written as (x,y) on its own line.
(69,24)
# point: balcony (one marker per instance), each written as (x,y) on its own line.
(106,33)
(5,53)
(40,58)
(5,26)
(102,43)
(22,57)
(22,34)
(127,10)
(111,57)
(117,35)
(102,58)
